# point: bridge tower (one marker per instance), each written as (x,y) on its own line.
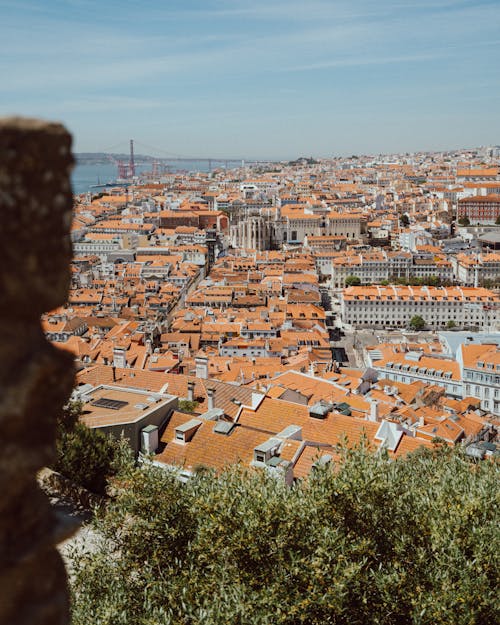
(131,164)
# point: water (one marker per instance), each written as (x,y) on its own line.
(85,175)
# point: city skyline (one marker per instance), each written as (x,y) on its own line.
(275,80)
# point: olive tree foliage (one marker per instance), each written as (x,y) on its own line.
(86,456)
(370,541)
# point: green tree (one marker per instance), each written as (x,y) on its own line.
(404,220)
(370,541)
(464,221)
(417,323)
(352,281)
(85,456)
(70,415)
(497,221)
(451,324)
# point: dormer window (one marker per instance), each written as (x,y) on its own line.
(265,451)
(185,432)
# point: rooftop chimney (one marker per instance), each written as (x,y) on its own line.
(201,367)
(119,357)
(373,410)
(190,394)
(211,396)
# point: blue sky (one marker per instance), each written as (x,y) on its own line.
(256,78)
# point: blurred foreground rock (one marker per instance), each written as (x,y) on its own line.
(35,378)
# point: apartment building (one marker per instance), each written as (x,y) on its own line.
(427,265)
(396,363)
(369,268)
(394,306)
(474,269)
(480,367)
(473,370)
(413,237)
(480,209)
(376,266)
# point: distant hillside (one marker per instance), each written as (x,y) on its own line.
(302,160)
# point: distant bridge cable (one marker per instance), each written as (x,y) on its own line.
(156,149)
(123,149)
(172,155)
(122,144)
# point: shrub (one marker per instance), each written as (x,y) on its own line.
(417,323)
(86,456)
(185,405)
(352,281)
(371,541)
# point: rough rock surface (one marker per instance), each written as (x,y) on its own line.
(35,377)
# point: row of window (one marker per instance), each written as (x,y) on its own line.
(452,389)
(476,391)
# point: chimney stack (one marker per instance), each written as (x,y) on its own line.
(119,357)
(211,395)
(373,410)
(190,394)
(201,362)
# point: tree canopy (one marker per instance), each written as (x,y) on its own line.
(352,281)
(417,323)
(85,456)
(411,541)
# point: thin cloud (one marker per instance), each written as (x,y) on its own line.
(109,103)
(362,61)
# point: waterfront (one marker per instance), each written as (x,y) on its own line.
(85,175)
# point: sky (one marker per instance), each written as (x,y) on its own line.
(256,78)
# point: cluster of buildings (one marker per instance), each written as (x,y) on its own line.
(465,365)
(200,313)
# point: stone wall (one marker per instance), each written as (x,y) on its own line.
(35,378)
